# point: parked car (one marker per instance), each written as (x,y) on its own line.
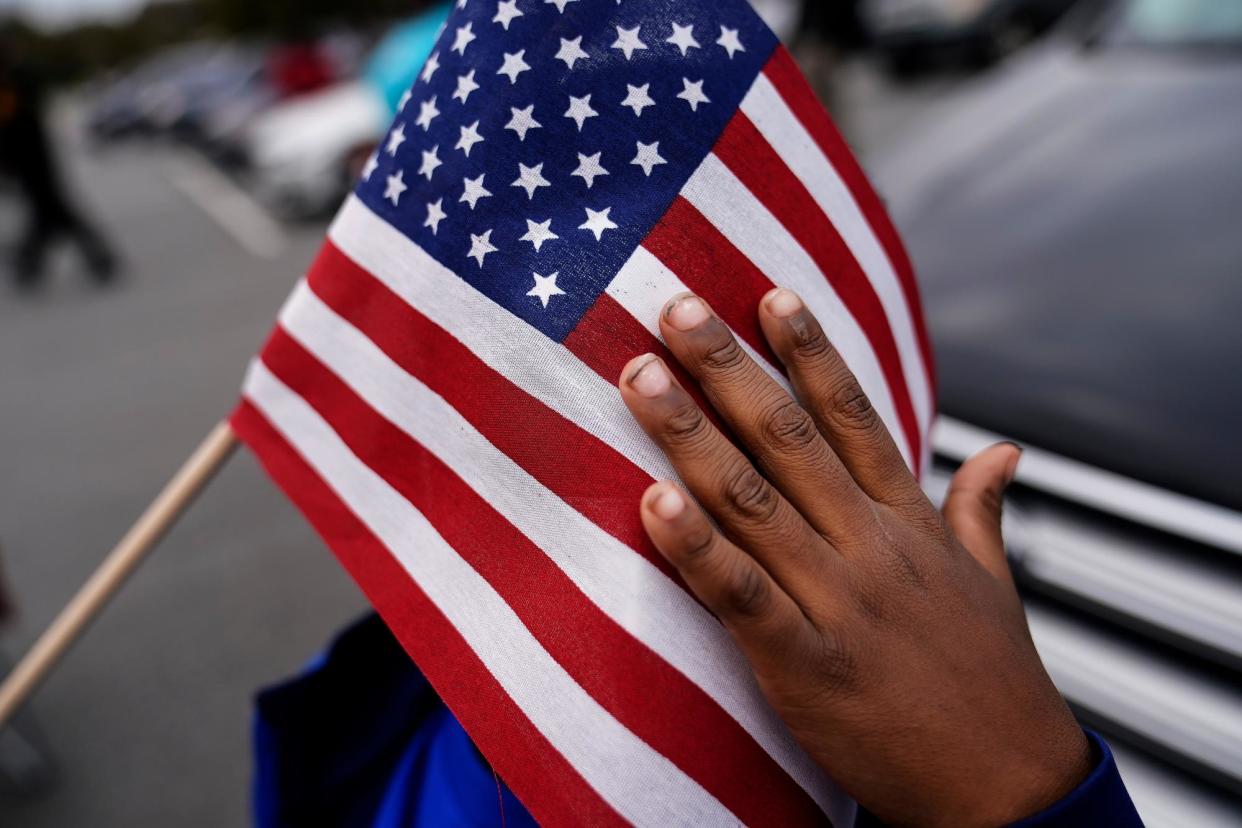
(1075,223)
(133,102)
(909,33)
(304,155)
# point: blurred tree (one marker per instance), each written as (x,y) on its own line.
(74,54)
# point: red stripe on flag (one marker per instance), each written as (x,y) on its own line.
(537,773)
(607,337)
(691,246)
(592,477)
(748,156)
(644,693)
(784,74)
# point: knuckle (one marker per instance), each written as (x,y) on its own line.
(837,666)
(813,346)
(748,593)
(697,547)
(750,494)
(832,667)
(684,424)
(789,427)
(723,356)
(851,408)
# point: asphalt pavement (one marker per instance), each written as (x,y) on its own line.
(105,390)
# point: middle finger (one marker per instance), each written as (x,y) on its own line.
(745,505)
(771,424)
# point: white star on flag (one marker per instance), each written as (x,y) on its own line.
(589,168)
(683,38)
(571,51)
(431,160)
(729,40)
(514,65)
(580,109)
(427,113)
(465,35)
(628,42)
(506,10)
(395,139)
(538,232)
(474,190)
(545,286)
(560,7)
(523,121)
(638,99)
(465,85)
(597,222)
(693,94)
(406,96)
(531,179)
(435,214)
(430,67)
(648,157)
(469,137)
(480,246)
(396,186)
(370,167)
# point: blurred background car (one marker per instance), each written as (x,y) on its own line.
(912,33)
(304,155)
(1074,221)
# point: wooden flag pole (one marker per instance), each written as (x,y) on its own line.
(121,562)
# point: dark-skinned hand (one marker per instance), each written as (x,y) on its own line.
(887,635)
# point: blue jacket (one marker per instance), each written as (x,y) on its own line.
(360,740)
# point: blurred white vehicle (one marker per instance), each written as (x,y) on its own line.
(303,155)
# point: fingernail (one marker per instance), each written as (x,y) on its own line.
(784,303)
(651,380)
(1012,471)
(669,504)
(686,313)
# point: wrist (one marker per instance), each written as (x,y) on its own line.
(1042,776)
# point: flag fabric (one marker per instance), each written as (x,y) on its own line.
(438,396)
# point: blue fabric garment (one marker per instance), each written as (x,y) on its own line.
(1101,800)
(360,740)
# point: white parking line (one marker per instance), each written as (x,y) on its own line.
(237,213)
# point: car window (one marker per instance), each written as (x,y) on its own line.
(1174,22)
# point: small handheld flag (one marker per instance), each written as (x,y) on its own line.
(438,395)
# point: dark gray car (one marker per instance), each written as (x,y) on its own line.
(1077,225)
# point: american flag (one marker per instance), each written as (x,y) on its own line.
(438,396)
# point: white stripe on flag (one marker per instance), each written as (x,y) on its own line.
(643,287)
(726,202)
(610,574)
(642,785)
(530,360)
(786,135)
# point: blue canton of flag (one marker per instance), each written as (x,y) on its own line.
(545,138)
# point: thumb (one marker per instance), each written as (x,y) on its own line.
(973,506)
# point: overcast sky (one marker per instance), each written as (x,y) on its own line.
(56,13)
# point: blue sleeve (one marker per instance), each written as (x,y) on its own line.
(1100,801)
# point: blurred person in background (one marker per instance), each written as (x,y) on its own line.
(27,156)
